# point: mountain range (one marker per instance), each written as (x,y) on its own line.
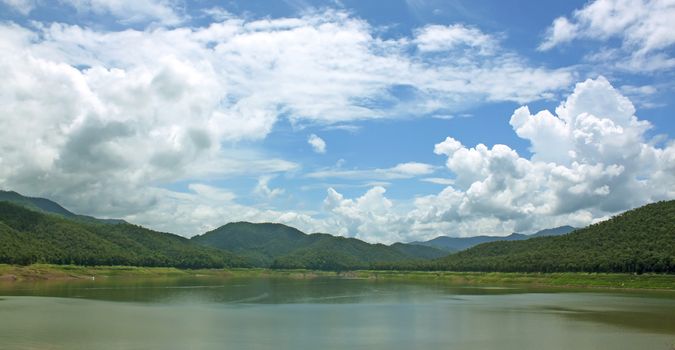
(282,246)
(40,230)
(455,244)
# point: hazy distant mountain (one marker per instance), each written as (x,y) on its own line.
(282,246)
(639,240)
(455,244)
(48,206)
(556,231)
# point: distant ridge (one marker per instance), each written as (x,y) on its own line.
(48,206)
(455,244)
(281,246)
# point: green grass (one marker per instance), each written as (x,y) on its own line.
(571,279)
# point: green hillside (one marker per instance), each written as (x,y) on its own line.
(38,230)
(639,240)
(28,236)
(281,246)
(261,243)
(47,206)
(326,252)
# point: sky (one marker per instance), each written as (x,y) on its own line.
(382,120)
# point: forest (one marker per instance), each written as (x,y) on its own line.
(28,237)
(637,241)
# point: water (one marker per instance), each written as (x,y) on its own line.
(257,313)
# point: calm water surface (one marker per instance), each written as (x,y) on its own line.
(220,313)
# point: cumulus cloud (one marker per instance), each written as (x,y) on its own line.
(102,128)
(317,143)
(589,160)
(445,38)
(205,207)
(561,31)
(263,189)
(367,217)
(642,26)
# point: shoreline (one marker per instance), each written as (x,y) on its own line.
(47,272)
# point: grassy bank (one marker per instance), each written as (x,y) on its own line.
(35,272)
(38,272)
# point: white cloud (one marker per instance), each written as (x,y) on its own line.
(99,127)
(367,217)
(561,31)
(412,169)
(399,171)
(439,180)
(218,14)
(212,193)
(445,38)
(590,157)
(131,11)
(448,146)
(263,189)
(643,26)
(590,160)
(205,208)
(317,143)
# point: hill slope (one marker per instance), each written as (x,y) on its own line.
(281,246)
(455,244)
(48,206)
(639,240)
(28,236)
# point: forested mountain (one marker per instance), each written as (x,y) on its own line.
(40,230)
(47,206)
(259,242)
(29,236)
(282,246)
(455,244)
(639,240)
(37,230)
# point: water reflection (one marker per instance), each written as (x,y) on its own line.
(325,313)
(246,290)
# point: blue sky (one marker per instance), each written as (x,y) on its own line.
(386,121)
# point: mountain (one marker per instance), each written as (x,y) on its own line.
(30,236)
(639,240)
(455,244)
(281,246)
(47,206)
(557,231)
(40,230)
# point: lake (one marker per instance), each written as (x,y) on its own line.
(326,313)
